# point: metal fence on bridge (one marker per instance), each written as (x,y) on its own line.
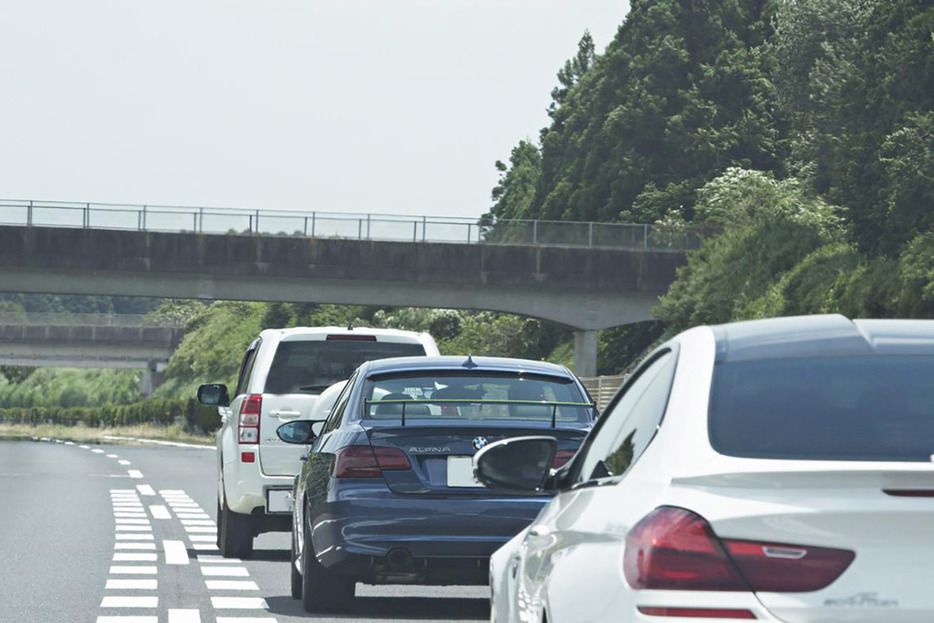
(66,319)
(381,227)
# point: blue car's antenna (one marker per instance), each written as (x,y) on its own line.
(469,364)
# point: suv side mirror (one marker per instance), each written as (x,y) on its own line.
(213,395)
(520,464)
(299,431)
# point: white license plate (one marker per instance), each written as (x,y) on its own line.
(460,472)
(278,500)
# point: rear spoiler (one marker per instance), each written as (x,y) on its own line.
(467,401)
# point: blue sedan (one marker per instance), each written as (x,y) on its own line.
(387,493)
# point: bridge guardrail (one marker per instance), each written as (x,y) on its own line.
(377,227)
(58,319)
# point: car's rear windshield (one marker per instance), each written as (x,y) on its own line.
(475,396)
(876,408)
(311,366)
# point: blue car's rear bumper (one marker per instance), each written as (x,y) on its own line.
(374,535)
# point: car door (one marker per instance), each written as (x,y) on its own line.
(568,564)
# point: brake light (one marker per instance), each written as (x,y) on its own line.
(250,410)
(674,549)
(369,462)
(350,338)
(561,458)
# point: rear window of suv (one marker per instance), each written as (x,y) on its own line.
(311,366)
(876,408)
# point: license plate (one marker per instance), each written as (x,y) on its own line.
(460,472)
(278,500)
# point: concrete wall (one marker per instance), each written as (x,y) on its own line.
(583,288)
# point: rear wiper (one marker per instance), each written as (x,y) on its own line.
(311,388)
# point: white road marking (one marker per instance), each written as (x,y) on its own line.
(69,443)
(145,490)
(142,585)
(134,473)
(134,557)
(201,515)
(181,505)
(85,447)
(129,522)
(123,462)
(135,537)
(231,585)
(160,512)
(203,538)
(112,456)
(128,620)
(197,522)
(184,616)
(230,572)
(130,602)
(133,491)
(239,603)
(201,529)
(159,442)
(246,620)
(134,545)
(170,491)
(130,514)
(133,570)
(175,552)
(134,528)
(211,559)
(205,546)
(97,451)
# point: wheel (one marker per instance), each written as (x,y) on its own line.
(296,576)
(234,532)
(323,591)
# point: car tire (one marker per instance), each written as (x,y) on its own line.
(295,575)
(234,533)
(323,591)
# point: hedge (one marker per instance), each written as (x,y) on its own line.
(161,412)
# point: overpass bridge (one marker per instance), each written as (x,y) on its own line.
(89,341)
(587,276)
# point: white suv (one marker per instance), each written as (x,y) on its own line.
(282,375)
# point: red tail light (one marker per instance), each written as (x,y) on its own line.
(562,457)
(250,410)
(698,613)
(368,462)
(675,549)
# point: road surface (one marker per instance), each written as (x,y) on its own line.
(126,534)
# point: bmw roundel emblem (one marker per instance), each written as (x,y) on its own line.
(479,443)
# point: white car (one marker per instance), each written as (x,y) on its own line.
(281,378)
(777,470)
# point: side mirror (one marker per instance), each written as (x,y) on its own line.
(299,431)
(213,395)
(520,464)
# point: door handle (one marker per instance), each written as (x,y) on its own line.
(285,413)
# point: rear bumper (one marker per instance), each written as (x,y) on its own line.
(376,536)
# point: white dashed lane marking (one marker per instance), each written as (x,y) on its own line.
(184,616)
(133,537)
(134,557)
(126,619)
(134,473)
(132,545)
(239,603)
(175,552)
(231,585)
(230,572)
(112,456)
(160,512)
(123,462)
(130,602)
(134,570)
(97,451)
(145,490)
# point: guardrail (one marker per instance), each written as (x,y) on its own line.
(381,227)
(53,319)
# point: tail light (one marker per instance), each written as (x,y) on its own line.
(369,462)
(675,549)
(698,613)
(250,409)
(562,457)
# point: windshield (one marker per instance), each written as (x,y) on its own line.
(475,397)
(311,366)
(850,409)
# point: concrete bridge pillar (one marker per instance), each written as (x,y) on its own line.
(585,352)
(151,379)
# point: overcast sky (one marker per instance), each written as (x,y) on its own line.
(389,106)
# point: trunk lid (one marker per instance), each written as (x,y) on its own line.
(883,512)
(441,455)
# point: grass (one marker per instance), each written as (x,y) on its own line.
(85,434)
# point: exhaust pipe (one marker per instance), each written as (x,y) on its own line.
(399,558)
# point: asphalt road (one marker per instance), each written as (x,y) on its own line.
(96,533)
